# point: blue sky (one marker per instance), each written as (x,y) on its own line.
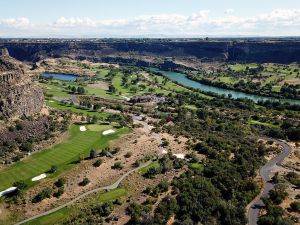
(105,18)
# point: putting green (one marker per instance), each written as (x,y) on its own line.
(98,128)
(62,155)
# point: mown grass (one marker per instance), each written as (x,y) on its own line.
(60,215)
(53,218)
(241,67)
(62,155)
(111,195)
(75,109)
(145,169)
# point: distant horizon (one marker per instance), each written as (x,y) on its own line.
(154,37)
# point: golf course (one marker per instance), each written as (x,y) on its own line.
(62,155)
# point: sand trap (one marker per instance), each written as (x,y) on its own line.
(82,128)
(39,177)
(110,131)
(7,191)
(179,156)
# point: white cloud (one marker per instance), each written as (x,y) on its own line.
(278,22)
(229,11)
(16,23)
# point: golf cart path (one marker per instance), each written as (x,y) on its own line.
(265,173)
(108,188)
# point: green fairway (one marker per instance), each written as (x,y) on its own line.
(62,155)
(60,215)
(241,67)
(53,218)
(111,195)
(75,109)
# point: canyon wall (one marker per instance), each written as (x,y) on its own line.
(18,94)
(97,50)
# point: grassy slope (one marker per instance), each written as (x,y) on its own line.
(61,155)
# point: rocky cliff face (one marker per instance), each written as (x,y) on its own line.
(18,94)
(261,51)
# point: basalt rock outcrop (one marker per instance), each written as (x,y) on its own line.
(19,95)
(228,50)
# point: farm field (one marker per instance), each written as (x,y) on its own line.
(61,155)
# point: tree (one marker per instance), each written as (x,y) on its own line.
(60,182)
(45,193)
(93,154)
(295,206)
(73,89)
(98,163)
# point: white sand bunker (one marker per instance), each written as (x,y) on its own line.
(179,156)
(82,128)
(7,191)
(39,177)
(110,131)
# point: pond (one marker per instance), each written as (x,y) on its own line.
(182,79)
(60,76)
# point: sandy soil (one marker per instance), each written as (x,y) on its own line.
(137,184)
(293,161)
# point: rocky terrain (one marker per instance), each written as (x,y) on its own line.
(19,96)
(149,50)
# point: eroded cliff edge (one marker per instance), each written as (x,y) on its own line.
(19,95)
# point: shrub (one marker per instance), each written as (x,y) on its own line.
(27,147)
(59,192)
(84,182)
(128,155)
(117,166)
(295,206)
(93,154)
(45,193)
(53,169)
(60,182)
(97,163)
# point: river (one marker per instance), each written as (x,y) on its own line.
(182,79)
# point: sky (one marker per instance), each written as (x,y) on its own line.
(149,18)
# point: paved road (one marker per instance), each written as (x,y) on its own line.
(265,173)
(110,187)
